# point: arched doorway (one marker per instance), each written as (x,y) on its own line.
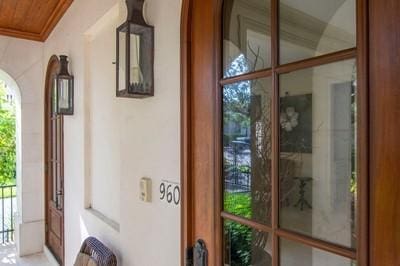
(24,79)
(54,168)
(10,157)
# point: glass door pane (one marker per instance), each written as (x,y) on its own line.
(295,254)
(315,119)
(247,149)
(245,246)
(318,152)
(246,36)
(58,177)
(315,27)
(53,156)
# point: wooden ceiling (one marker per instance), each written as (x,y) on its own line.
(31,19)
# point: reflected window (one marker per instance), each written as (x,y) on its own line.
(315,27)
(246,31)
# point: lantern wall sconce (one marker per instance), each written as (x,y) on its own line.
(135,54)
(63,94)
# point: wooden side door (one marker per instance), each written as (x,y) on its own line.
(54,174)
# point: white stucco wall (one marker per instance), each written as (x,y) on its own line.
(148,132)
(22,64)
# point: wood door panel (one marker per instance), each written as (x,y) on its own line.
(56,223)
(55,244)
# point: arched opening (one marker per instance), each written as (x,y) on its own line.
(10,157)
(22,225)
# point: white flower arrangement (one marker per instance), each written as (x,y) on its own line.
(289,119)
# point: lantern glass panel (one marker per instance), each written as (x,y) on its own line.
(141,59)
(122,60)
(63,94)
(54,97)
(135,72)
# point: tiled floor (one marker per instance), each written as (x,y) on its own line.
(8,256)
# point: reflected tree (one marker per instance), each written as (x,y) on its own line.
(7,137)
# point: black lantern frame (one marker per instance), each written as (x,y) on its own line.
(135,54)
(63,93)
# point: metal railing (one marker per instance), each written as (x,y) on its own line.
(237,178)
(237,167)
(7,215)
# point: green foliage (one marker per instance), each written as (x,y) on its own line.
(236,102)
(237,96)
(7,139)
(238,204)
(239,236)
(353,183)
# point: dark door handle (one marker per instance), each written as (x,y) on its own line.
(200,253)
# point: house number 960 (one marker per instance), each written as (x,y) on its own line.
(170,192)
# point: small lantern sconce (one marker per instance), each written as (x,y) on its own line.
(135,54)
(64,89)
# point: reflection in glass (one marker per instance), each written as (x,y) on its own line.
(315,27)
(247,31)
(244,246)
(295,254)
(318,152)
(247,149)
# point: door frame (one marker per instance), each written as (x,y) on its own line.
(384,42)
(189,92)
(52,66)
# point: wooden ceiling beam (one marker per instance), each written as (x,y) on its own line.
(21,34)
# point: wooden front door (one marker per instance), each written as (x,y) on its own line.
(54,185)
(275,133)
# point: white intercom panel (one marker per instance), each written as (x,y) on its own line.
(145,189)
